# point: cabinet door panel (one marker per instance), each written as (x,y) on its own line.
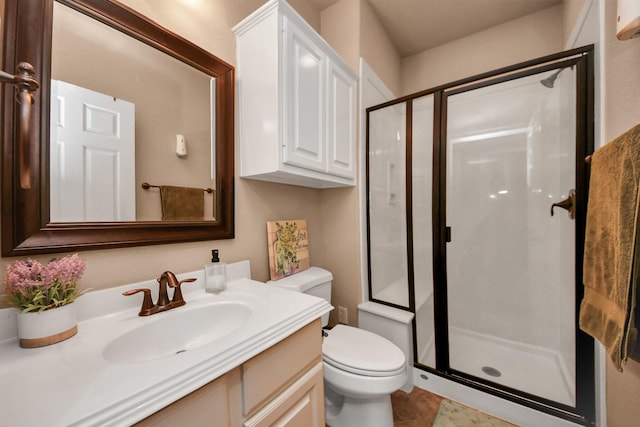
(271,371)
(304,84)
(216,404)
(300,405)
(341,123)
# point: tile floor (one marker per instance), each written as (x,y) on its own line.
(418,408)
(421,408)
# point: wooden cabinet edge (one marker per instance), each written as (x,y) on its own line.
(269,373)
(225,394)
(208,404)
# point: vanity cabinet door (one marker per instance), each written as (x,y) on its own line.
(266,375)
(300,405)
(217,404)
(304,87)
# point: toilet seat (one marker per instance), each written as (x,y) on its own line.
(362,352)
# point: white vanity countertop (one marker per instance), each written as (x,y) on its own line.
(72,384)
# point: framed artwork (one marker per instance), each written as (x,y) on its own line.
(288,242)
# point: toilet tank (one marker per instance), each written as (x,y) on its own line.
(395,325)
(314,281)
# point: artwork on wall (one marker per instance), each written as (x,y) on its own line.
(288,242)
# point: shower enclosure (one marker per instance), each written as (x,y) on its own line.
(476,210)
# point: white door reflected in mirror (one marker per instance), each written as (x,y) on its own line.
(92,156)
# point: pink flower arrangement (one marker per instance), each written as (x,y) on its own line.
(32,286)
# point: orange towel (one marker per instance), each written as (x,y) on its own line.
(610,257)
(182,203)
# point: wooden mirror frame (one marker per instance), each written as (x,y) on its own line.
(26,227)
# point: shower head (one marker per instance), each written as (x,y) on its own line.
(549,81)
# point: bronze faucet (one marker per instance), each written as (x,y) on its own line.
(167,278)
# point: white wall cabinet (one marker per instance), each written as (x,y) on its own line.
(296,102)
(283,386)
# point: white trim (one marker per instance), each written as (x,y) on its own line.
(382,310)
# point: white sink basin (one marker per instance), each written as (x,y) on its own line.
(176,331)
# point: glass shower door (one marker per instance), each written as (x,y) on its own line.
(423,111)
(510,155)
(387,210)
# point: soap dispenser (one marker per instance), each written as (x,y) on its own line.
(215,274)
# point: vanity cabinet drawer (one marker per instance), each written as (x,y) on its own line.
(216,404)
(269,373)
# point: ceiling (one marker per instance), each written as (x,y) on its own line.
(417,25)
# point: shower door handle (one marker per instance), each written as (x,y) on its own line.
(569,204)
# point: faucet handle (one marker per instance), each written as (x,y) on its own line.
(178,300)
(147,303)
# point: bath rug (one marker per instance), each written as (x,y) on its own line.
(453,414)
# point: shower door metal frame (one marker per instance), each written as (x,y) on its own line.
(583,59)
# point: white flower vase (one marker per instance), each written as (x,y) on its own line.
(41,328)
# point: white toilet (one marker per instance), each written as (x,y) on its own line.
(361,369)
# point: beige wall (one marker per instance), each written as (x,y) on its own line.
(571,12)
(332,215)
(340,27)
(621,112)
(622,85)
(209,24)
(352,29)
(377,49)
(529,37)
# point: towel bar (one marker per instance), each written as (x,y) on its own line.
(147,186)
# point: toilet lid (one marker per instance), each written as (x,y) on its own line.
(362,352)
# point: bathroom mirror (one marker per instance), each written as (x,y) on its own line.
(26,216)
